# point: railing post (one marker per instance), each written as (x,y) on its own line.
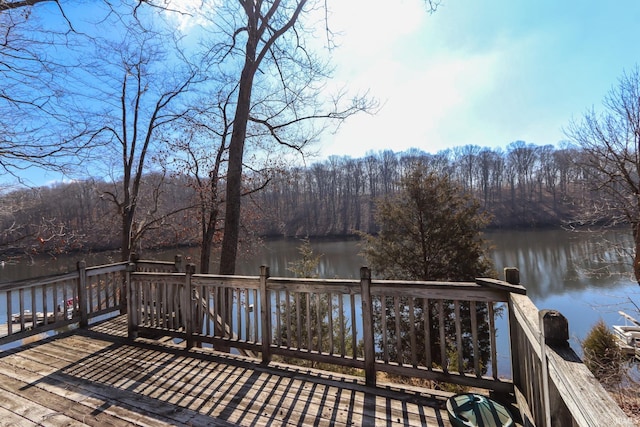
(82,293)
(188,302)
(265,314)
(554,331)
(512,276)
(367,327)
(133,303)
(555,328)
(124,295)
(178,266)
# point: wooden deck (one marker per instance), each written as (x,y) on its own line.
(99,376)
(95,376)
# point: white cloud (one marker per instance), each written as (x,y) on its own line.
(369,27)
(421,82)
(417,100)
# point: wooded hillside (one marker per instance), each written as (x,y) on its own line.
(523,186)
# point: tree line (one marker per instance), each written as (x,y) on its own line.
(524,185)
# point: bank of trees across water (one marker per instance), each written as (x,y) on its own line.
(523,185)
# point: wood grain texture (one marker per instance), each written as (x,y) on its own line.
(97,377)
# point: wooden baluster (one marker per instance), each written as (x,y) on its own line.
(367,323)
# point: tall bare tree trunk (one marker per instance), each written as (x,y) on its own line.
(258,24)
(234,171)
(206,247)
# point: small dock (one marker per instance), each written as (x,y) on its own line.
(96,377)
(628,336)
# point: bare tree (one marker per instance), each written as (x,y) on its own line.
(521,159)
(488,160)
(277,91)
(610,140)
(8,5)
(466,161)
(202,156)
(549,171)
(129,96)
(35,131)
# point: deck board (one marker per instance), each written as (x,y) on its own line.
(96,376)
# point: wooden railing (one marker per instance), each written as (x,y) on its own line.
(403,328)
(440,331)
(551,384)
(43,305)
(380,326)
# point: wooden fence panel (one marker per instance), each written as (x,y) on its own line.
(40,306)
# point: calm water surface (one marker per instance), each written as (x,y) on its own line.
(585,276)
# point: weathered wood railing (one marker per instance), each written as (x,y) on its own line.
(39,305)
(44,304)
(373,325)
(402,328)
(380,326)
(551,384)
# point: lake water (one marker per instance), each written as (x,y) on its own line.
(585,276)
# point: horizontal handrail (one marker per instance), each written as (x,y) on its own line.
(37,281)
(44,304)
(325,321)
(553,386)
(107,268)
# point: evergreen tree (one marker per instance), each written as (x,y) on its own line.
(602,354)
(307,265)
(429,230)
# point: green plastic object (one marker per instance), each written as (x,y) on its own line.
(475,410)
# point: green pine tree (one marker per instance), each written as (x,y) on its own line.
(429,230)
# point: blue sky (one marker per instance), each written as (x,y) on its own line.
(483,73)
(478,72)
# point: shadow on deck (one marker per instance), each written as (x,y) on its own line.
(96,376)
(100,375)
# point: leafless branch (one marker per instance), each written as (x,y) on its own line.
(8,5)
